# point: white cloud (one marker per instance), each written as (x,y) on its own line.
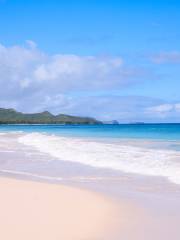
(26,73)
(73,71)
(166,57)
(28,67)
(177,107)
(31,80)
(31,44)
(165,110)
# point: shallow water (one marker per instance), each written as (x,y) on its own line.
(105,148)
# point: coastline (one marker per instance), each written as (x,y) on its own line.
(105,204)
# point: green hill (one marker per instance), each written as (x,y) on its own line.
(10,116)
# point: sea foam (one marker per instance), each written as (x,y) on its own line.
(117,156)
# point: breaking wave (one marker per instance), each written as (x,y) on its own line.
(117,156)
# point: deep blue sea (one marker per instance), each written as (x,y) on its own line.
(134,131)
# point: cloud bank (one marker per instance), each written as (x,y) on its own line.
(166,57)
(32,80)
(29,70)
(26,72)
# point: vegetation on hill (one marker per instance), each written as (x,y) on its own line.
(10,116)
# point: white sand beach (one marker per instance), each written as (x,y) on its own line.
(141,208)
(39,211)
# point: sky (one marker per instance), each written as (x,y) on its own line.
(105,59)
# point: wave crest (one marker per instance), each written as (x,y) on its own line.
(117,156)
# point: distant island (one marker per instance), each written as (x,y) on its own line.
(11,116)
(111,122)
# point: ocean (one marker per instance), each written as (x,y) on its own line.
(134,131)
(142,149)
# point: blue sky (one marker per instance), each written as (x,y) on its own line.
(119,58)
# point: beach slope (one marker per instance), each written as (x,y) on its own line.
(32,210)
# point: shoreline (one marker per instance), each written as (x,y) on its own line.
(30,162)
(114,205)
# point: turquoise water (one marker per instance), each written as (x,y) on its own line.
(145,149)
(134,131)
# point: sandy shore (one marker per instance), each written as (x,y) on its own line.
(127,208)
(40,211)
